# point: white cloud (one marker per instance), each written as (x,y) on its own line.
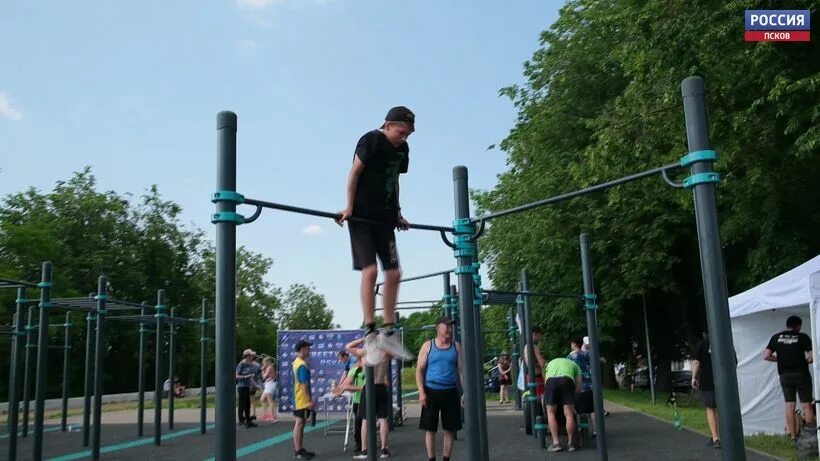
(6,109)
(256,4)
(313,229)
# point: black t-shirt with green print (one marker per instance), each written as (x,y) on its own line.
(376,196)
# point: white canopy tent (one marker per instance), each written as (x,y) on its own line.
(756,315)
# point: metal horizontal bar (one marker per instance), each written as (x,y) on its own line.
(325,214)
(419,277)
(578,193)
(431,301)
(9,283)
(411,308)
(546,294)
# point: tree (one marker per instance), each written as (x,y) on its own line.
(602,100)
(305,309)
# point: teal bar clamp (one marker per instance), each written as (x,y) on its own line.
(227,196)
(227,216)
(698,156)
(701,178)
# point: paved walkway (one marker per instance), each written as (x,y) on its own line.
(631,436)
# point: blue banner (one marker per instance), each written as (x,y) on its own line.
(324,366)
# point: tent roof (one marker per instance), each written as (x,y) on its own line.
(790,289)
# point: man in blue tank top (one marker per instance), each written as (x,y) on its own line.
(438,376)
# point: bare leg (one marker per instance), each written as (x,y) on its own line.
(368,293)
(364,434)
(501,394)
(808,413)
(711,418)
(298,432)
(391,292)
(430,443)
(553,423)
(275,409)
(790,423)
(448,444)
(592,422)
(569,414)
(384,432)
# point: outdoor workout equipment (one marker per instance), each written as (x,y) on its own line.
(97,306)
(467,230)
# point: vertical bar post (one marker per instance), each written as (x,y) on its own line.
(90,322)
(141,379)
(648,351)
(42,362)
(66,370)
(28,369)
(159,318)
(594,352)
(478,302)
(532,364)
(399,367)
(370,413)
(714,274)
(447,302)
(516,394)
(464,270)
(226,125)
(203,367)
(99,369)
(390,422)
(519,305)
(171,343)
(17,361)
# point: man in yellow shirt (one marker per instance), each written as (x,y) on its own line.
(302,398)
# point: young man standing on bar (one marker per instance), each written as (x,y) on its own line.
(373,194)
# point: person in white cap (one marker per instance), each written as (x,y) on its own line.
(245,372)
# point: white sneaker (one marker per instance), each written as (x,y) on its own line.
(391,344)
(373,355)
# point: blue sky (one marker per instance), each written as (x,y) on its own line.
(132,89)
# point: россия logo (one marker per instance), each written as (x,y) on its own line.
(778,25)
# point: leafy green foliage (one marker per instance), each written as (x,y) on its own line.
(601,101)
(139,244)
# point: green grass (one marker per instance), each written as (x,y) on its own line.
(693,417)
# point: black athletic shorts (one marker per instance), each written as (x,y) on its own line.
(708,399)
(382,405)
(304,413)
(560,391)
(441,402)
(796,384)
(370,240)
(584,403)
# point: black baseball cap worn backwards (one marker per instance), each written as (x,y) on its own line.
(400,114)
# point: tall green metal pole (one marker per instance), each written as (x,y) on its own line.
(88,385)
(171,335)
(160,317)
(594,352)
(99,366)
(27,370)
(16,369)
(141,379)
(226,125)
(702,181)
(42,362)
(203,367)
(66,370)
